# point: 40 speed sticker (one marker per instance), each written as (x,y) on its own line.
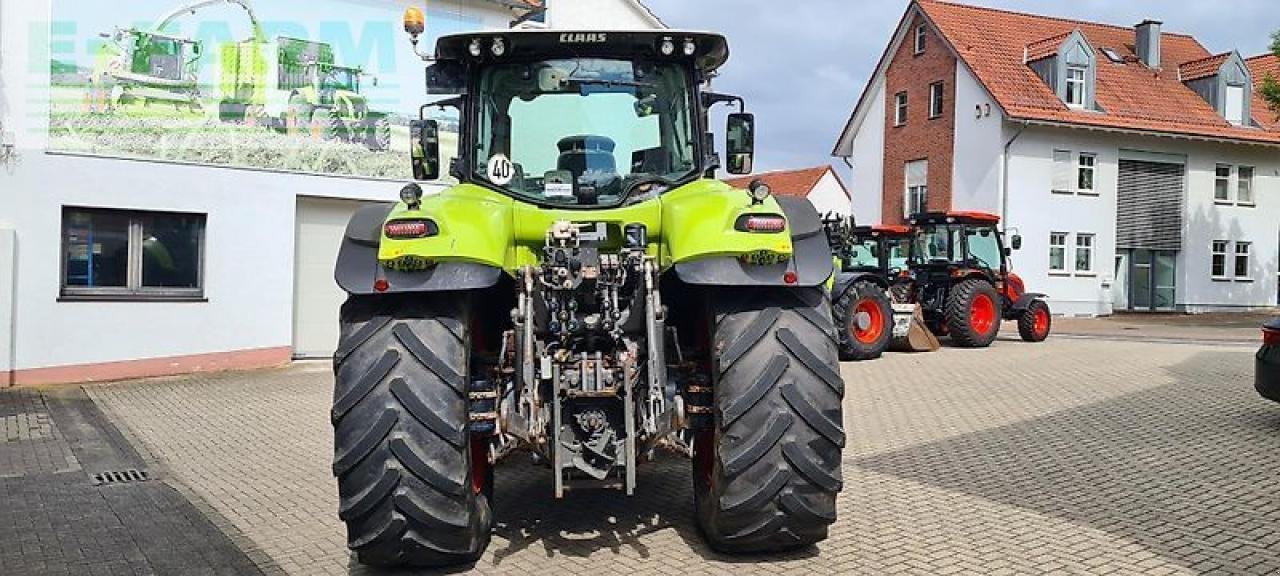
(501,171)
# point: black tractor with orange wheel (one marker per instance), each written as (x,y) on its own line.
(869,258)
(962,279)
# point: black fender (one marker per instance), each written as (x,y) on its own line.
(358,269)
(846,280)
(810,259)
(1025,301)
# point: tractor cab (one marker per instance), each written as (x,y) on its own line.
(151,58)
(959,244)
(581,120)
(884,249)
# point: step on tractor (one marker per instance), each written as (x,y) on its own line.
(295,86)
(150,67)
(587,294)
(962,278)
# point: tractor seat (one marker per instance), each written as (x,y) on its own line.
(589,158)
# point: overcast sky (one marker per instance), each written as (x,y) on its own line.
(802,64)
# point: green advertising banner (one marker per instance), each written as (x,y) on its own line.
(316,86)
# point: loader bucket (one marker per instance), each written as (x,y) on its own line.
(909,331)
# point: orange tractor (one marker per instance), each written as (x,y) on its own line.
(961,278)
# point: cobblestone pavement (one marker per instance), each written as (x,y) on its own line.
(1074,456)
(55,520)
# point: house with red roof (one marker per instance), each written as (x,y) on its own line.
(820,184)
(1141,168)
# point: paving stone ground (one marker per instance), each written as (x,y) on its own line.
(1076,456)
(54,520)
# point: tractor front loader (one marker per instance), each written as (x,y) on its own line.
(587,292)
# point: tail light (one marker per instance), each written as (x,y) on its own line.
(410,229)
(1271,336)
(761,223)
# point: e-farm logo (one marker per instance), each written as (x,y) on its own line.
(584,38)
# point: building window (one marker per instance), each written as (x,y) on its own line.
(935,99)
(1222,183)
(917,189)
(1244,185)
(1062,171)
(900,109)
(1233,108)
(119,254)
(1075,86)
(1218,265)
(1084,175)
(1242,260)
(1058,252)
(920,39)
(1084,253)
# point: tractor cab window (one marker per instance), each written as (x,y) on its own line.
(342,79)
(984,247)
(865,253)
(899,250)
(939,245)
(584,131)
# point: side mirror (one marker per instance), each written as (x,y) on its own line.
(1016,242)
(425,154)
(740,143)
(195,49)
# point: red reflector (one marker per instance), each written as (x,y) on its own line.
(407,229)
(790,278)
(765,224)
(1271,337)
(381,285)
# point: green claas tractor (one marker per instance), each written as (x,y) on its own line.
(961,277)
(588,293)
(294,85)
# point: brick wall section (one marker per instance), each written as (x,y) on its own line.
(920,137)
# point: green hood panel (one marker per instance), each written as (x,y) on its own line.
(481,226)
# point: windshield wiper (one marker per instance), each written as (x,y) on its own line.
(610,83)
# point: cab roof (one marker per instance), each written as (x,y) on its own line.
(884,230)
(956,217)
(711,50)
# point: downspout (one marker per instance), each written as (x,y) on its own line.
(1004,177)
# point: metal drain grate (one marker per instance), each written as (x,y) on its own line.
(119,477)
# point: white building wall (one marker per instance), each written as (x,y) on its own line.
(979,143)
(1206,221)
(867,183)
(829,196)
(249,238)
(1034,211)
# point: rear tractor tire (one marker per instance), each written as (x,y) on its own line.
(973,314)
(767,475)
(409,491)
(864,322)
(1035,322)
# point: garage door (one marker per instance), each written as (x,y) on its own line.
(1149,205)
(316,298)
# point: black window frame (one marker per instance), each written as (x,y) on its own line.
(134,290)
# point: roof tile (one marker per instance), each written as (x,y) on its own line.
(994,43)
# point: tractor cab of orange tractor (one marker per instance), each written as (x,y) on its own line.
(962,278)
(884,249)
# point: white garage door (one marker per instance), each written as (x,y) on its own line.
(316,297)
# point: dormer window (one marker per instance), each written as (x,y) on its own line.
(1067,64)
(1224,82)
(1076,86)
